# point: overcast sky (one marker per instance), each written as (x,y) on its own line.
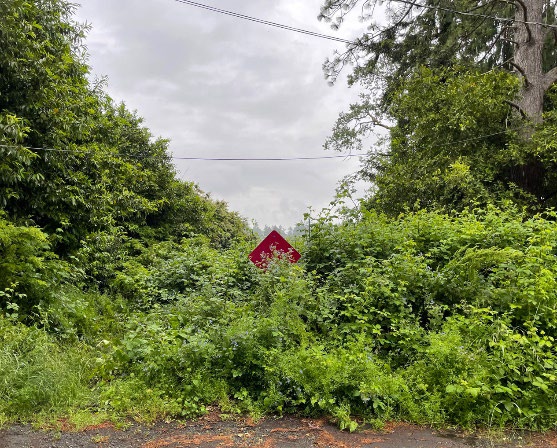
(218,86)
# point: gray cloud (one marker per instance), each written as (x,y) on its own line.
(218,86)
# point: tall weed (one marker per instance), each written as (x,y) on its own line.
(37,375)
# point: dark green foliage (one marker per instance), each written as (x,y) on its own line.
(456,137)
(449,149)
(107,174)
(430,35)
(135,296)
(84,188)
(455,144)
(168,271)
(442,298)
(28,270)
(429,318)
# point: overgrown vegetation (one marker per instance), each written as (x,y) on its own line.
(126,292)
(428,317)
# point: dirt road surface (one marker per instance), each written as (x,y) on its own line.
(287,432)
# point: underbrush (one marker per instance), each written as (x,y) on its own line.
(428,318)
(39,375)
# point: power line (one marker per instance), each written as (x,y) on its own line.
(208,159)
(346,41)
(472,14)
(467,140)
(481,137)
(257,159)
(264,22)
(275,24)
(267,159)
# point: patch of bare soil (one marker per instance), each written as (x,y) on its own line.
(286,432)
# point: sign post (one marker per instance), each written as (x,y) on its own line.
(273,245)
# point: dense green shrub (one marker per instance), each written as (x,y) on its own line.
(166,271)
(429,317)
(29,272)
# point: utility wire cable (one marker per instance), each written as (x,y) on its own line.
(467,140)
(346,41)
(481,137)
(472,14)
(267,159)
(278,25)
(208,159)
(264,22)
(257,159)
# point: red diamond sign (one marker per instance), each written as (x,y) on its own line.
(273,245)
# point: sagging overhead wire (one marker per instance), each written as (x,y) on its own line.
(258,159)
(264,22)
(473,14)
(207,159)
(346,41)
(267,159)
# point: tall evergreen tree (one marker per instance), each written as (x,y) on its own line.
(514,36)
(517,35)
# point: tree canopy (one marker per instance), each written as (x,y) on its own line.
(428,45)
(73,162)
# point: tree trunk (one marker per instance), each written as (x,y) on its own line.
(528,60)
(528,57)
